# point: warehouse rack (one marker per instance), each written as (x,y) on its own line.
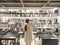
(39,18)
(43,20)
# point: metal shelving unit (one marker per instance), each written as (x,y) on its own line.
(40,19)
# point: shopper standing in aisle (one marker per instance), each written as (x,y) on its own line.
(28,32)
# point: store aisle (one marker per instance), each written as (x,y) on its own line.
(34,42)
(38,42)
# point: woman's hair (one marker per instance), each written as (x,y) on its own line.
(27,21)
(25,27)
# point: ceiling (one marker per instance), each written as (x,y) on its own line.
(29,3)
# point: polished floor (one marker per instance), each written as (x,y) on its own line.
(34,42)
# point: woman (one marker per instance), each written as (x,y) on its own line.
(28,32)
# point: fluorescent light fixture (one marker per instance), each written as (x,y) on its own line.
(13,10)
(29,10)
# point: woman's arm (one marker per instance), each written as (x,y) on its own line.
(31,28)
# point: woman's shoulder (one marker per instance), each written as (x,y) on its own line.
(30,24)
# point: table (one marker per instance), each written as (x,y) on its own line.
(3,32)
(49,41)
(45,35)
(8,36)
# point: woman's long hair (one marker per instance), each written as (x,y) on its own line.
(27,21)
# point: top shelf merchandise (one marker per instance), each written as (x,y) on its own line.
(29,13)
(39,18)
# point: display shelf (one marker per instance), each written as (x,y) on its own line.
(29,17)
(45,27)
(39,18)
(3,27)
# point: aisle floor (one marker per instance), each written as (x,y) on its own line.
(35,42)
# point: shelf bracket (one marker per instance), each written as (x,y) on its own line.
(47,3)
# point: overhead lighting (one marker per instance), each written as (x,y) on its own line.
(28,10)
(13,10)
